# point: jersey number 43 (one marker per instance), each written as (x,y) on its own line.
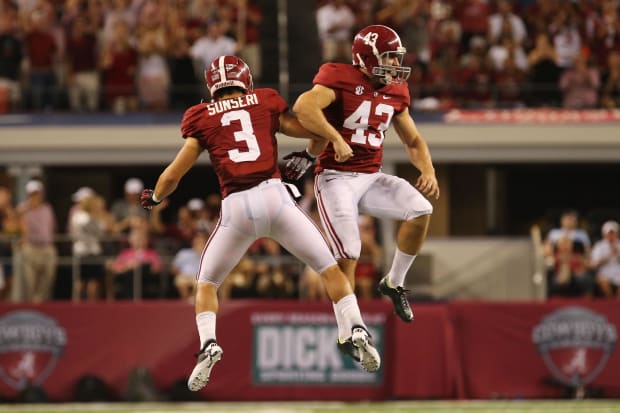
(360,120)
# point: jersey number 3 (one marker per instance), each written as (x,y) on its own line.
(246,134)
(359,122)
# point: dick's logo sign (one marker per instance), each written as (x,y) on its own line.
(30,345)
(575,344)
(300,348)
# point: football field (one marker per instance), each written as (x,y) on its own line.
(568,406)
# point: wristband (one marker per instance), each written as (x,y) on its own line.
(157,201)
(310,155)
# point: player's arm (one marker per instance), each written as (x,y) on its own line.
(171,176)
(418,153)
(309,110)
(290,125)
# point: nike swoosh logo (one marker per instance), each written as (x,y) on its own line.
(385,97)
(329,179)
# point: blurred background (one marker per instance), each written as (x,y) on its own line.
(518,101)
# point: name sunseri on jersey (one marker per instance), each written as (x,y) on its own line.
(232,103)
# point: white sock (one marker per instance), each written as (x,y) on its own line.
(206,326)
(350,312)
(400,266)
(343,330)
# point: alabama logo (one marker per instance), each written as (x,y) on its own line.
(30,345)
(575,344)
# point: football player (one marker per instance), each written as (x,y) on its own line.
(358,102)
(237,128)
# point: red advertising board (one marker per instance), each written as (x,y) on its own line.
(285,350)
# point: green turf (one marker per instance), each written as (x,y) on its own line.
(607,406)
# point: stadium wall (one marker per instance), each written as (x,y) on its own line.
(285,350)
(157,143)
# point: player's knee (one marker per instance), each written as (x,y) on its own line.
(421,208)
(352,250)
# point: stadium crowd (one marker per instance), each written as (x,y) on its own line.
(105,247)
(127,55)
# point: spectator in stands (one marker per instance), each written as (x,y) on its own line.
(138,259)
(118,11)
(544,73)
(39,256)
(76,198)
(580,85)
(539,15)
(606,36)
(412,19)
(335,21)
(210,46)
(504,48)
(9,229)
(610,90)
(83,65)
(183,84)
(12,53)
(248,36)
(509,83)
(473,16)
(606,260)
(153,77)
(566,37)
(207,215)
(119,61)
(152,74)
(505,22)
(129,206)
(241,283)
(42,49)
(87,226)
(197,209)
(367,272)
(446,43)
(179,233)
(185,266)
(569,275)
(568,228)
(476,81)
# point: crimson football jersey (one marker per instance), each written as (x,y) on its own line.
(239,134)
(360,113)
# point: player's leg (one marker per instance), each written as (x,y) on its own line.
(392,197)
(296,232)
(224,249)
(337,196)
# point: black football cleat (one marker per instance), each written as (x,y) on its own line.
(399,299)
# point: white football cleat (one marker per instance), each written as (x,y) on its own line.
(211,354)
(369,356)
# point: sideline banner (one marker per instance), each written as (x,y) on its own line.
(280,350)
(535,350)
(529,116)
(286,350)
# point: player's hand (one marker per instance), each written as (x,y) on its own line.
(343,150)
(146,199)
(427,184)
(298,164)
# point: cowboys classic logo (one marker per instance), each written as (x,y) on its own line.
(575,344)
(30,345)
